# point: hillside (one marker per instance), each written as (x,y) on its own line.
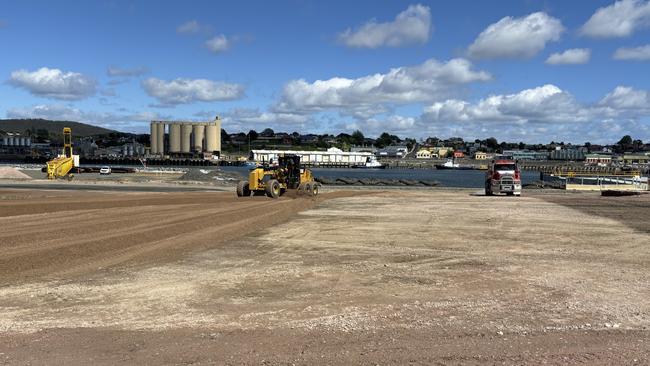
(53,127)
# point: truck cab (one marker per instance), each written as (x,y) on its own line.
(503,176)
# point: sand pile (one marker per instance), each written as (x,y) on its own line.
(12,173)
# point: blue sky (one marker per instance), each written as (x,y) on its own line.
(461,68)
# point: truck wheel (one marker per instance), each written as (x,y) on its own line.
(273,188)
(242,189)
(308,189)
(314,189)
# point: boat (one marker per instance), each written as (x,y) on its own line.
(371,163)
(450,164)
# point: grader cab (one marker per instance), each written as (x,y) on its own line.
(274,180)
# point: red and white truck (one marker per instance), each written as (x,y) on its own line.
(503,176)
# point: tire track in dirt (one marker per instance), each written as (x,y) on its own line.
(49,238)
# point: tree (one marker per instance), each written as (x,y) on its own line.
(625,140)
(225,137)
(358,138)
(268,132)
(252,134)
(492,143)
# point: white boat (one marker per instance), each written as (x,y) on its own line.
(371,163)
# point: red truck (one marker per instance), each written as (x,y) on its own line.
(503,176)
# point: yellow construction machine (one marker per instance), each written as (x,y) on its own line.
(273,180)
(61,166)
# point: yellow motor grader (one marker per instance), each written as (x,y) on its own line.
(274,180)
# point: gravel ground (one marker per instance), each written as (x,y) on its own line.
(393,277)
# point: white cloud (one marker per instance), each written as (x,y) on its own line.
(620,19)
(189,27)
(574,56)
(641,53)
(624,99)
(425,82)
(218,44)
(517,37)
(413,25)
(545,104)
(115,71)
(182,91)
(54,83)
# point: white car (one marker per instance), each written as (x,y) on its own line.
(105,170)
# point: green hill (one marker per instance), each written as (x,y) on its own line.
(30,126)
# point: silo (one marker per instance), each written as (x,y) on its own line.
(5,141)
(174,138)
(28,141)
(213,136)
(161,138)
(154,138)
(20,141)
(199,133)
(186,133)
(10,141)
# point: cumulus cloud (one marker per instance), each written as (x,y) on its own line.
(424,82)
(574,56)
(546,104)
(218,44)
(115,71)
(411,26)
(620,19)
(517,37)
(624,99)
(183,91)
(641,53)
(540,114)
(54,83)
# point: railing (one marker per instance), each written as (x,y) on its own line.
(585,181)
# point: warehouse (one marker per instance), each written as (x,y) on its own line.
(331,157)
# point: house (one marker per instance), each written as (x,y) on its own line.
(598,159)
(459,154)
(480,155)
(423,154)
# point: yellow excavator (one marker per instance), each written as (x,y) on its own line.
(274,180)
(61,167)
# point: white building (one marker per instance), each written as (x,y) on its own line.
(332,156)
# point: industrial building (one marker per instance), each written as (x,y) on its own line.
(185,138)
(331,157)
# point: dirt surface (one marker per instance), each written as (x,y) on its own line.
(399,277)
(12,173)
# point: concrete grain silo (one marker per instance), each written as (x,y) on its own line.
(186,137)
(199,132)
(175,138)
(154,138)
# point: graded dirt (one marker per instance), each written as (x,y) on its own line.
(399,277)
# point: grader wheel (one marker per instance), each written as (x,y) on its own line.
(273,188)
(243,189)
(314,189)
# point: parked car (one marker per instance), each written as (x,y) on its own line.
(503,176)
(105,170)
